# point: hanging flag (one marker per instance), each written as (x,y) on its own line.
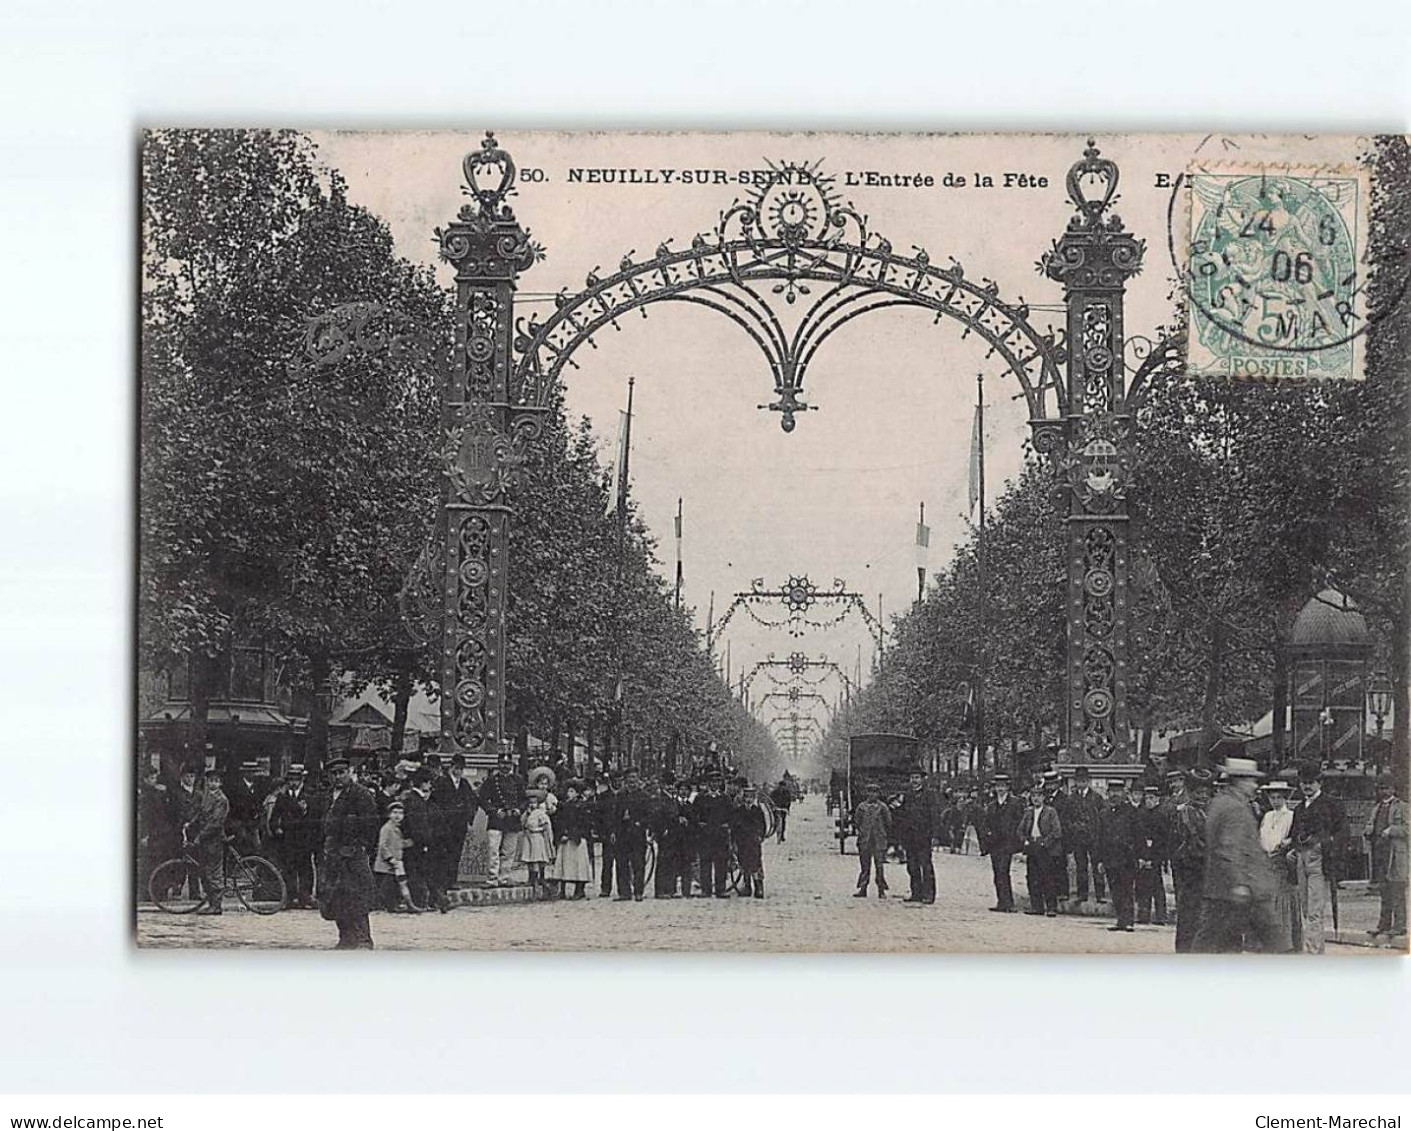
(977,456)
(617,485)
(967,709)
(923,550)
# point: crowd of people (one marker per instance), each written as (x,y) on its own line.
(1252,867)
(351,843)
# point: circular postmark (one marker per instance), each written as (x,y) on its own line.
(1274,262)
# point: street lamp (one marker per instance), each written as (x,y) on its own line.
(1379,693)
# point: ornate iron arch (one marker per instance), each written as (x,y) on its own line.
(793,240)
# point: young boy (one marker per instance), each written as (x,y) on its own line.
(872,819)
(747,823)
(389,868)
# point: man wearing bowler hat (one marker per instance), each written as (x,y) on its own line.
(1238,887)
(915,827)
(1080,819)
(453,807)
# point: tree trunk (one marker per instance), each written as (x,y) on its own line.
(200,682)
(1210,729)
(320,674)
(592,735)
(401,700)
(521,750)
(571,755)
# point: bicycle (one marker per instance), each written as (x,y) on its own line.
(175,884)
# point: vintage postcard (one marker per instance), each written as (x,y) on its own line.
(773,542)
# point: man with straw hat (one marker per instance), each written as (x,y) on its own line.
(1238,894)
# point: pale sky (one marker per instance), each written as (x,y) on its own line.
(838,497)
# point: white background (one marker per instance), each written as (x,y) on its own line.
(83,1011)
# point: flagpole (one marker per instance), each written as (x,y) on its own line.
(678,553)
(981,579)
(618,695)
(920,565)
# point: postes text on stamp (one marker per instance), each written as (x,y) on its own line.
(1274,277)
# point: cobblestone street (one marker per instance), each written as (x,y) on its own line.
(810,908)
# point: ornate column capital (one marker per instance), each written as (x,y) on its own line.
(1096,252)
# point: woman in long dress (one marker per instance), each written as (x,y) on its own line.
(572,864)
(1275,829)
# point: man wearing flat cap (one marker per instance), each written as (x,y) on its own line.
(350,829)
(206,834)
(1237,888)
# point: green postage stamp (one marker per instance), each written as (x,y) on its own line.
(1275,276)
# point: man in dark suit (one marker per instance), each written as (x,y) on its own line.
(1041,840)
(669,830)
(1188,856)
(418,839)
(1117,845)
(350,829)
(453,805)
(712,815)
(1318,825)
(245,792)
(295,830)
(1079,815)
(747,827)
(634,814)
(999,838)
(1153,848)
(914,825)
(607,812)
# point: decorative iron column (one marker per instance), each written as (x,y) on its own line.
(1093,260)
(485,434)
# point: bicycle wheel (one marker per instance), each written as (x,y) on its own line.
(175,886)
(258,885)
(651,869)
(771,817)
